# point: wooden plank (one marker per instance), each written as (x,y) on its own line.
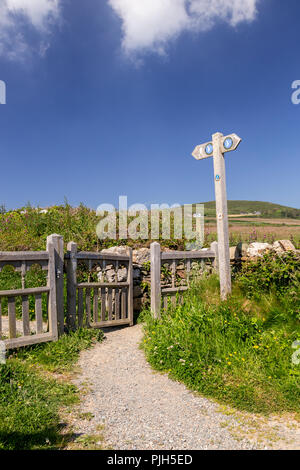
(109,295)
(103,304)
(12,317)
(155,255)
(113,285)
(181,255)
(39,314)
(172,290)
(117,304)
(123,304)
(80,308)
(25,315)
(88,306)
(165,301)
(23,255)
(58,245)
(85,255)
(71,285)
(108,324)
(52,308)
(95,306)
(27,340)
(21,292)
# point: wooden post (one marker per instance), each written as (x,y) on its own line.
(52,307)
(58,244)
(222,216)
(71,285)
(130,289)
(214,248)
(155,254)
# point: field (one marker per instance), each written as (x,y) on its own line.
(259,229)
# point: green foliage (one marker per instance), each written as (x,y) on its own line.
(31,400)
(60,355)
(266,209)
(238,352)
(29,405)
(271,272)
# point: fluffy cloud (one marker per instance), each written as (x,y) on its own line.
(14,14)
(150,24)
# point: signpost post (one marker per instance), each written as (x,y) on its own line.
(216,149)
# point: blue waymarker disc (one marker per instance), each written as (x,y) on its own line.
(209,149)
(228,143)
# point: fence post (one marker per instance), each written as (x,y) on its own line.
(130,291)
(214,248)
(52,306)
(71,284)
(155,255)
(58,244)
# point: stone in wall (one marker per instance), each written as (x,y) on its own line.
(281,246)
(258,249)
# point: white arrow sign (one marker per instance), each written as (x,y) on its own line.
(227,144)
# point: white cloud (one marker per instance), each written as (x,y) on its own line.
(150,24)
(39,14)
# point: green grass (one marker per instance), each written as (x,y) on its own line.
(238,352)
(267,209)
(31,399)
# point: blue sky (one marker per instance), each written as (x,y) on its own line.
(99,106)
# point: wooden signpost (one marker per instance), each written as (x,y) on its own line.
(216,149)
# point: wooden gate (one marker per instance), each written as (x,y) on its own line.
(29,301)
(106,302)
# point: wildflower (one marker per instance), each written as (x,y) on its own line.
(229,363)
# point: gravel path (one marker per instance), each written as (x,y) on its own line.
(141,409)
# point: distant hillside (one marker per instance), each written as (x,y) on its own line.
(264,209)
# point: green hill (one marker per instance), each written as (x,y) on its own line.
(261,209)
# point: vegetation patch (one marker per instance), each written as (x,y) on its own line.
(32,399)
(238,351)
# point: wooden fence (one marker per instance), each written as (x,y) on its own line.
(160,295)
(102,303)
(22,333)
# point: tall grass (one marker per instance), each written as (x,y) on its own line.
(31,398)
(238,351)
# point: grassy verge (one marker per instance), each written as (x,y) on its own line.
(32,398)
(238,351)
